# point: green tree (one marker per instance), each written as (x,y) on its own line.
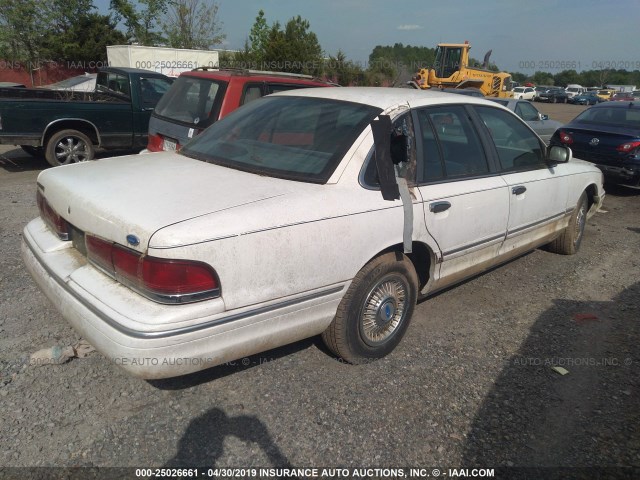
(142,23)
(566,77)
(193,24)
(293,49)
(23,24)
(258,38)
(343,71)
(542,78)
(396,64)
(519,77)
(84,40)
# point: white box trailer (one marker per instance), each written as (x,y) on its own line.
(622,88)
(169,61)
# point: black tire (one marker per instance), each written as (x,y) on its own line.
(68,146)
(568,243)
(376,310)
(33,151)
(555,100)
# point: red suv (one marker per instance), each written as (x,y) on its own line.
(202,96)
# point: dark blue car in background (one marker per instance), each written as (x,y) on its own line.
(607,134)
(586,98)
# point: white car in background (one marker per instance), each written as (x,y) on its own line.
(318,211)
(524,93)
(574,89)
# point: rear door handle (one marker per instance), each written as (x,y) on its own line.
(437,207)
(519,190)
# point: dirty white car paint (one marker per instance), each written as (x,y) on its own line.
(288,249)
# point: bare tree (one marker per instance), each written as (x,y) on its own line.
(193,24)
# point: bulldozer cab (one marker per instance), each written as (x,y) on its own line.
(449,59)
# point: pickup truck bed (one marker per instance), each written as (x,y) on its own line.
(68,126)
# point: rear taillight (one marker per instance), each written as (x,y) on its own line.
(54,221)
(177,277)
(158,143)
(160,279)
(565,137)
(154,143)
(628,147)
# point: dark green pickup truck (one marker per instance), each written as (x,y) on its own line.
(68,126)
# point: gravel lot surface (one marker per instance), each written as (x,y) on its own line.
(471,385)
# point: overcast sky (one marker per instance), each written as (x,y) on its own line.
(525,36)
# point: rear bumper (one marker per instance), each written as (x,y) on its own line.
(177,344)
(627,175)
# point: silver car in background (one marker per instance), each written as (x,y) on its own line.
(539,122)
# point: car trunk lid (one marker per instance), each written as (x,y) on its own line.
(127,199)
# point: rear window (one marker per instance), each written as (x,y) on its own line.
(628,117)
(113,83)
(296,138)
(192,101)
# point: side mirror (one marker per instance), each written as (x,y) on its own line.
(544,116)
(558,154)
(381,128)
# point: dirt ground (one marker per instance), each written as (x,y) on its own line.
(471,385)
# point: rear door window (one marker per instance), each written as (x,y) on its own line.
(253,91)
(451,146)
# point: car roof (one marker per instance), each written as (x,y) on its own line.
(629,104)
(227,74)
(385,97)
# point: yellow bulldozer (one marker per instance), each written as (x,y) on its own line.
(451,70)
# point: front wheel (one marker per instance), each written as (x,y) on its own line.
(568,243)
(375,312)
(68,146)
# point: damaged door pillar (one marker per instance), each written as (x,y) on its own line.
(396,166)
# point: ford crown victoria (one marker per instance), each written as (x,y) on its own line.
(324,211)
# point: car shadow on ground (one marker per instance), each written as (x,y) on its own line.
(535,416)
(621,190)
(230,368)
(17,160)
(203,441)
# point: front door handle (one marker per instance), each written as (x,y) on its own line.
(437,207)
(519,190)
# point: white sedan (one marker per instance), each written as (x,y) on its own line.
(320,211)
(524,93)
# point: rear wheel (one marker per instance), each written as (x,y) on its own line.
(568,243)
(68,146)
(375,312)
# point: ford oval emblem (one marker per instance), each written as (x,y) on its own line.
(133,240)
(594,141)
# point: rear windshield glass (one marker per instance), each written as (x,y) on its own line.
(629,117)
(192,101)
(297,138)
